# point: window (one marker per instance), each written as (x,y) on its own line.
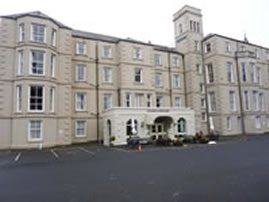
(53,37)
(203,116)
(246,100)
(244,72)
(207,48)
(107,101)
(176,81)
(137,53)
(107,52)
(35,130)
(256,100)
(261,102)
(202,87)
(80,101)
(177,102)
(81,128)
(51,99)
(210,73)
(180,28)
(138,75)
(81,48)
(107,74)
(38,33)
(196,45)
(80,72)
(253,73)
(181,126)
(20,62)
(36,98)
(203,105)
(232,101)
(37,62)
(230,72)
(53,65)
(199,69)
(228,47)
(149,100)
(258,122)
(259,76)
(198,27)
(175,61)
(21,32)
(158,79)
(159,101)
(212,101)
(131,127)
(257,53)
(228,123)
(19,98)
(139,100)
(128,100)
(191,25)
(242,48)
(157,59)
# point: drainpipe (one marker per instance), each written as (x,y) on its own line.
(170,80)
(205,83)
(240,95)
(97,91)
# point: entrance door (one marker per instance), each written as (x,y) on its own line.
(157,129)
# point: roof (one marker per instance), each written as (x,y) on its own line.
(36,14)
(232,39)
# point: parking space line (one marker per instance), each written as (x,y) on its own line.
(17,157)
(87,151)
(121,150)
(54,153)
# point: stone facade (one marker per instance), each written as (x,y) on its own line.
(57,83)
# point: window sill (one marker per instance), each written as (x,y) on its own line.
(80,136)
(138,83)
(35,140)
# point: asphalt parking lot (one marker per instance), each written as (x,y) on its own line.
(236,170)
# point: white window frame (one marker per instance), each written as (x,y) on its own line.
(261,102)
(53,65)
(139,98)
(199,68)
(21,32)
(84,128)
(232,101)
(228,46)
(107,52)
(208,48)
(107,75)
(253,73)
(18,98)
(203,116)
(176,81)
(52,99)
(230,72)
(157,59)
(149,100)
(138,74)
(159,101)
(128,100)
(43,63)
(81,68)
(30,139)
(81,48)
(246,100)
(255,100)
(33,38)
(203,103)
(212,105)
(228,123)
(258,122)
(53,37)
(20,65)
(107,101)
(158,79)
(244,72)
(79,103)
(43,98)
(178,102)
(137,54)
(210,74)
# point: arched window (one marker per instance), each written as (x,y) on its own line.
(131,127)
(181,125)
(109,127)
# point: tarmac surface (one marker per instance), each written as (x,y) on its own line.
(236,170)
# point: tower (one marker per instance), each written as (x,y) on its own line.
(188,39)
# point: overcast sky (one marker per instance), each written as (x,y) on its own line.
(152,19)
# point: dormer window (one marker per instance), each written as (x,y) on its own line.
(207,48)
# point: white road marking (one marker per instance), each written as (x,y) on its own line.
(17,157)
(121,150)
(54,153)
(87,151)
